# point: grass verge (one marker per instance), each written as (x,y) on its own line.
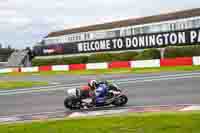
(132,123)
(112,71)
(8,85)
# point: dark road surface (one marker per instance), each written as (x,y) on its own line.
(142,89)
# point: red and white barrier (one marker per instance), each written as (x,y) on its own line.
(145,63)
(92,66)
(6,70)
(182,61)
(119,64)
(196,60)
(60,68)
(77,67)
(30,69)
(45,68)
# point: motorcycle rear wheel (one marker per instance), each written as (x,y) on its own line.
(72,104)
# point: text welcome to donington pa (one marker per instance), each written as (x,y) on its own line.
(142,41)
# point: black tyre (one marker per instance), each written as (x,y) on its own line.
(120,101)
(68,103)
(72,104)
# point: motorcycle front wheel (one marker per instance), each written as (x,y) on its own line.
(121,100)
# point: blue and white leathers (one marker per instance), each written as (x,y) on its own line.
(100,93)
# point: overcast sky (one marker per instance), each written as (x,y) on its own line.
(25,22)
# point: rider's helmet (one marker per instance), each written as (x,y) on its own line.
(92,84)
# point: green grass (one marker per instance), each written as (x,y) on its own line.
(132,123)
(7,85)
(112,71)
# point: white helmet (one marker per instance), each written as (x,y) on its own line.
(92,83)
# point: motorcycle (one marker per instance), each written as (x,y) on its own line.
(115,96)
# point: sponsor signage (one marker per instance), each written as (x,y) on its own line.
(143,41)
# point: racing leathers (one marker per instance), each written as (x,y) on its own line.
(100,93)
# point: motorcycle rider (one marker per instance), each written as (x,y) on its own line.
(99,90)
(95,94)
(93,84)
(96,90)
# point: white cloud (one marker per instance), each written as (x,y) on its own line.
(23,22)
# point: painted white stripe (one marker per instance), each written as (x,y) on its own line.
(60,68)
(196,60)
(118,81)
(54,83)
(60,87)
(160,79)
(191,108)
(161,76)
(64,111)
(96,66)
(7,119)
(97,113)
(42,88)
(145,63)
(35,91)
(6,70)
(29,69)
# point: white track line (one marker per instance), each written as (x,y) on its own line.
(169,78)
(120,80)
(191,108)
(162,76)
(39,88)
(123,81)
(127,107)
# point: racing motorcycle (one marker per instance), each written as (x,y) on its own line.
(115,96)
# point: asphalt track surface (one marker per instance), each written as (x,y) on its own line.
(142,90)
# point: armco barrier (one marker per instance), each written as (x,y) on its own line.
(92,66)
(77,67)
(6,70)
(45,68)
(60,68)
(184,61)
(120,64)
(196,60)
(145,63)
(29,69)
(16,69)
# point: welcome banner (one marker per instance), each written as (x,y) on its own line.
(142,41)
